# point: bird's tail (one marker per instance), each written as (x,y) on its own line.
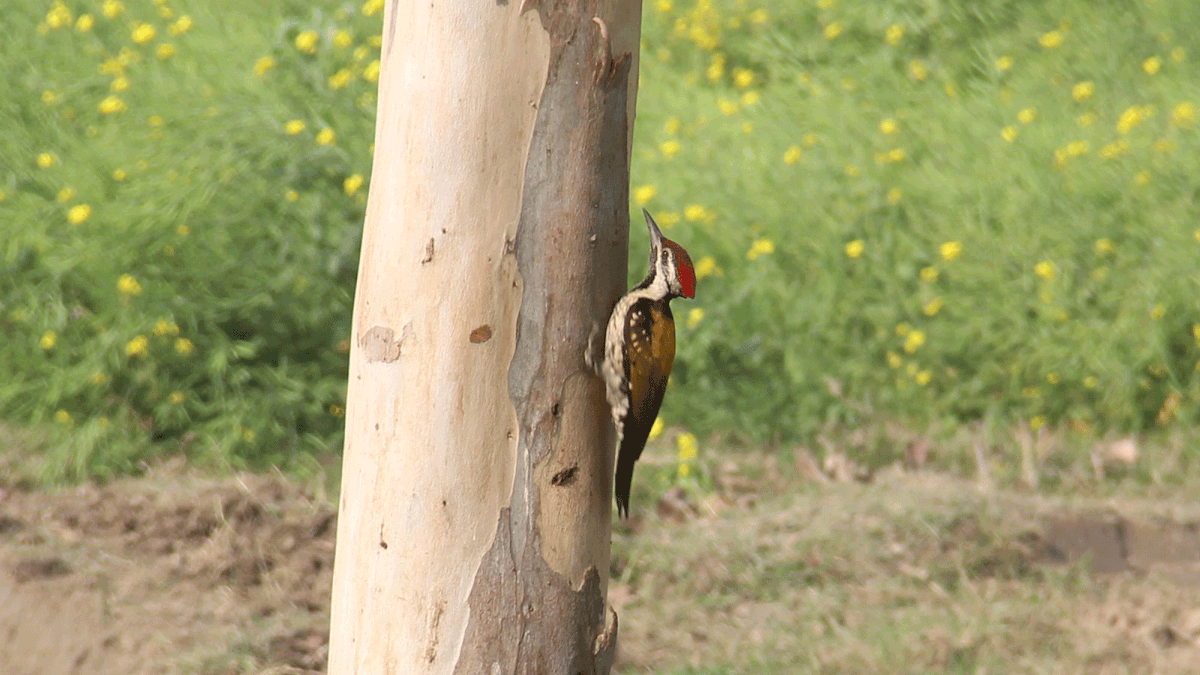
(626,458)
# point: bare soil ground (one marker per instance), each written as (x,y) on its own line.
(175,573)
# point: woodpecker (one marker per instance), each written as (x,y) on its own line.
(639,350)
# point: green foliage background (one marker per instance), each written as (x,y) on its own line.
(932,212)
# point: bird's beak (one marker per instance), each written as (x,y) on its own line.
(655,234)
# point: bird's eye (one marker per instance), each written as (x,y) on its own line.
(665,254)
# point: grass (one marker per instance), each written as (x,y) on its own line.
(907,574)
(928,215)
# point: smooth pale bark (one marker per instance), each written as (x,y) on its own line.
(476,494)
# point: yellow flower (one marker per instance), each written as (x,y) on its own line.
(138,346)
(902,329)
(352,183)
(1004,63)
(705,266)
(1178,54)
(951,250)
(294,127)
(851,170)
(833,30)
(644,194)
(85,23)
(888,126)
(1133,116)
(1184,114)
(111,9)
(894,34)
(118,175)
(855,248)
(1164,145)
(760,247)
(893,196)
(1151,65)
(66,194)
(913,341)
(1083,91)
(656,429)
(143,33)
(291,195)
(1031,392)
(917,70)
(933,306)
(62,417)
(1026,116)
(1009,133)
(728,107)
(759,16)
(1076,148)
(375,41)
(342,39)
(128,285)
(894,359)
(111,106)
(671,126)
(1105,246)
(923,377)
(694,212)
(48,340)
(1158,312)
(175,398)
(688,447)
(742,78)
(929,274)
(340,79)
(791,155)
(306,41)
(99,379)
(184,346)
(1090,382)
(264,64)
(58,16)
(372,7)
(1087,119)
(165,51)
(695,316)
(371,72)
(1114,149)
(326,137)
(669,148)
(1037,422)
(1045,269)
(1051,40)
(79,213)
(165,327)
(46,160)
(1142,177)
(182,25)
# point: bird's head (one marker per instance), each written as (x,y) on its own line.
(670,262)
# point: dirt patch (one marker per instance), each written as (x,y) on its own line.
(171,574)
(165,577)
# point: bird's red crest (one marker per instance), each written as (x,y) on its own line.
(683,265)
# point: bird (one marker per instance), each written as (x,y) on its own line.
(639,350)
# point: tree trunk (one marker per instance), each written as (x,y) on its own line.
(474,528)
